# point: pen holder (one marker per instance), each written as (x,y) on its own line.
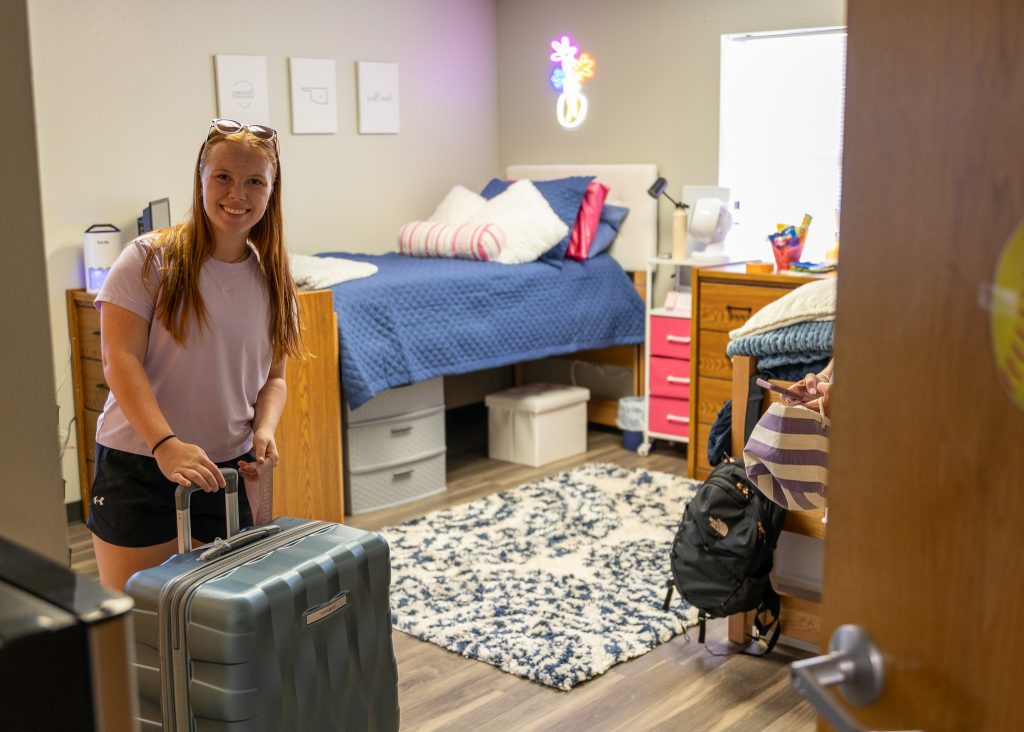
(787,248)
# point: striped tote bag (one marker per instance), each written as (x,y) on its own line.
(786,456)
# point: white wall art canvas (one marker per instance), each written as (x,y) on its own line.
(242,88)
(378,98)
(314,96)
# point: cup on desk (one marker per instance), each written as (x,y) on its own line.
(787,248)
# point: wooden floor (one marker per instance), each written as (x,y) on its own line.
(677,686)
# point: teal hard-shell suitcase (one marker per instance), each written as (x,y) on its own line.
(285,626)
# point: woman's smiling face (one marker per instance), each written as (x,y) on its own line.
(237,183)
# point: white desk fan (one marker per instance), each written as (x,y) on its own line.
(710,221)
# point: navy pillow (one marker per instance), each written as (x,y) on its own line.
(607,229)
(564,195)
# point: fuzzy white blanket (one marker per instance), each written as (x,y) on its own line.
(316,273)
(813,301)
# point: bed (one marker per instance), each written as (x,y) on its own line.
(420,318)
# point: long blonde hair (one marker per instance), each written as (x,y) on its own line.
(186,246)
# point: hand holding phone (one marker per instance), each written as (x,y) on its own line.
(796,396)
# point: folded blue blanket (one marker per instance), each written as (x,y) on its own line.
(419,318)
(791,345)
(813,337)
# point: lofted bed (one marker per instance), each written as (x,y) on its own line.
(418,320)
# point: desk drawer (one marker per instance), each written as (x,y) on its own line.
(712,394)
(670,377)
(713,361)
(395,440)
(88,330)
(670,337)
(724,307)
(699,445)
(94,385)
(670,416)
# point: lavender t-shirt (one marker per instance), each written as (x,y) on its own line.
(207,387)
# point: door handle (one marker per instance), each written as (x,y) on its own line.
(853,664)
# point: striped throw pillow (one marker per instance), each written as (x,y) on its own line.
(482,242)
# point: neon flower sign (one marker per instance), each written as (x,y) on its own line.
(568,77)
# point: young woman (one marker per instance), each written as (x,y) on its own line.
(197,321)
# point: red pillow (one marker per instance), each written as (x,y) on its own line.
(587,220)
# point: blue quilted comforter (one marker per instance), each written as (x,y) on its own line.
(419,318)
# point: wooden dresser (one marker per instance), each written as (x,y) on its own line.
(724,297)
(308,480)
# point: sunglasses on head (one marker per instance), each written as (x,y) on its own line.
(230,127)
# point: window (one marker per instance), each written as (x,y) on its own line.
(781,134)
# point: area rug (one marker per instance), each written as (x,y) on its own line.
(555,581)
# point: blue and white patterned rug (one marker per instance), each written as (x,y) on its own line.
(555,581)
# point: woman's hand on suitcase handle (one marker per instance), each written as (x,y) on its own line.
(184,463)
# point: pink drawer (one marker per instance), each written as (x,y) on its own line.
(670,416)
(670,377)
(670,337)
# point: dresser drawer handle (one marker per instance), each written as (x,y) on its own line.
(734,310)
(95,332)
(400,430)
(674,418)
(678,379)
(403,474)
(677,339)
(101,385)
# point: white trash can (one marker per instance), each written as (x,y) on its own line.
(537,424)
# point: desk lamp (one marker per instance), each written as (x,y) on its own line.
(678,218)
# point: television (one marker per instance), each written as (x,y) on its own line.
(157,215)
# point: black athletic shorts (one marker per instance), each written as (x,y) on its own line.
(133,503)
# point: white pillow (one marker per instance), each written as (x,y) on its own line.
(457,206)
(531,227)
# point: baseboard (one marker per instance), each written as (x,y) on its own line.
(74,510)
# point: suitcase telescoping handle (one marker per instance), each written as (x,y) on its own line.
(183,499)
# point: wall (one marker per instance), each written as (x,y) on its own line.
(654,96)
(125,90)
(31,495)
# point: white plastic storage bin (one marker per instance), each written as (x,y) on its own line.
(537,424)
(395,447)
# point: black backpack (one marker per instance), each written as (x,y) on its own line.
(723,550)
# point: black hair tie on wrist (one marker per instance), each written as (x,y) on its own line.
(162,441)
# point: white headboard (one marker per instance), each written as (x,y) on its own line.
(638,238)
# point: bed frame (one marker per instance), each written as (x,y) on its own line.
(635,245)
(801,609)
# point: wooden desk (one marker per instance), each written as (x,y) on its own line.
(724,297)
(308,480)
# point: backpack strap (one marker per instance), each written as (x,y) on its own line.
(771,605)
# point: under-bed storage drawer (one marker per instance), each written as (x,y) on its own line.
(391,485)
(396,439)
(395,447)
(400,400)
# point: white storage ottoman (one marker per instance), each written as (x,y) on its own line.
(537,424)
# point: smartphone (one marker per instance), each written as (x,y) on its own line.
(794,395)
